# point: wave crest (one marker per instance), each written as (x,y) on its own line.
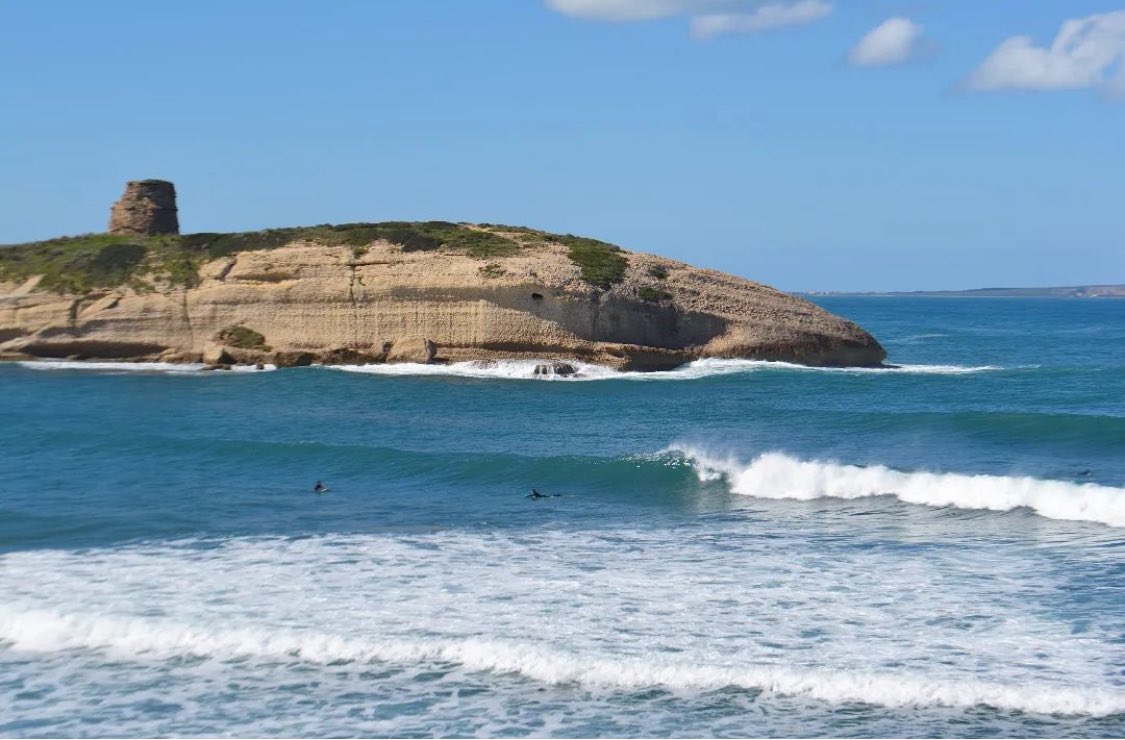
(775,475)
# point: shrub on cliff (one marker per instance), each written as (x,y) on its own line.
(222,245)
(243,337)
(425,236)
(653,295)
(602,263)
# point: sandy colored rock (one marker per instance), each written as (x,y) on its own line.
(320,303)
(148,207)
(412,350)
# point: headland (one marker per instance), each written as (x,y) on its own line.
(429,291)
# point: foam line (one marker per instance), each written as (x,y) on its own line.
(145,639)
(169,368)
(525,370)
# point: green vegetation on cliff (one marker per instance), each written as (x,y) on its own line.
(653,295)
(75,264)
(80,264)
(602,264)
(243,338)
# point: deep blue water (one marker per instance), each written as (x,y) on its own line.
(736,548)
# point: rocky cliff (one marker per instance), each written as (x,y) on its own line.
(427,292)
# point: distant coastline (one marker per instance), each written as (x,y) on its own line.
(1076,291)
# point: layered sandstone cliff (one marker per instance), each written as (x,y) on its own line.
(308,301)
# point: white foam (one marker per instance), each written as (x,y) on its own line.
(169,368)
(760,604)
(139,638)
(522,369)
(711,367)
(779,476)
(501,369)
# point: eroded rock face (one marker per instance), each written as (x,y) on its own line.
(319,303)
(413,349)
(148,207)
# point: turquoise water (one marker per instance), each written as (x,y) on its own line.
(736,548)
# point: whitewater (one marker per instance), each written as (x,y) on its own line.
(776,475)
(514,369)
(731,548)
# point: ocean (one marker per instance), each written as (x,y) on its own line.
(729,549)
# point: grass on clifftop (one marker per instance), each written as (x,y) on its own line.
(421,236)
(602,264)
(75,264)
(80,264)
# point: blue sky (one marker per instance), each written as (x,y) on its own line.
(761,138)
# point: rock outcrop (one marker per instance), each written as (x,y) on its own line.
(391,292)
(307,302)
(147,208)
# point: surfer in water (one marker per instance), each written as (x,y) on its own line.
(320,487)
(535,494)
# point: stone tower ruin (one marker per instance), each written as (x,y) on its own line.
(148,207)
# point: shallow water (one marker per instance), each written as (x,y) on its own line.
(752,549)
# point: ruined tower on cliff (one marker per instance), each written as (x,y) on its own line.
(148,207)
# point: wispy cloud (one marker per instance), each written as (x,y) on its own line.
(894,41)
(708,17)
(1087,53)
(635,10)
(764,18)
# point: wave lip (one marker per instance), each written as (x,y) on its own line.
(775,475)
(710,367)
(138,639)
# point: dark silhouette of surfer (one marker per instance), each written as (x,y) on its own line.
(536,495)
(320,487)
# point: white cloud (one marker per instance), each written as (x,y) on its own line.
(764,18)
(1084,54)
(708,17)
(633,10)
(894,41)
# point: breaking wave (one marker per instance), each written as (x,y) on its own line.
(140,639)
(776,475)
(521,369)
(525,370)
